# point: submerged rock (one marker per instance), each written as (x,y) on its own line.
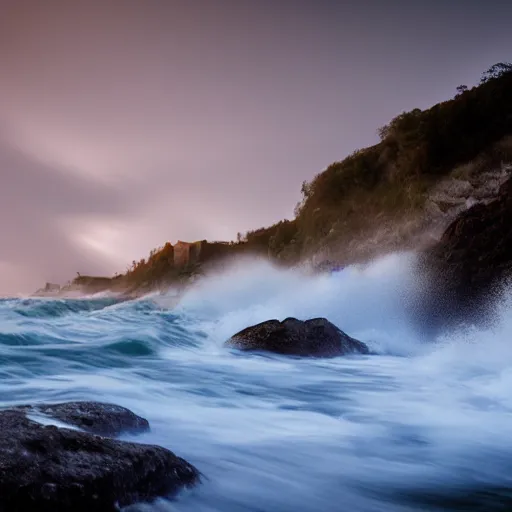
(45,468)
(95,417)
(314,338)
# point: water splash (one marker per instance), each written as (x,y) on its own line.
(422,426)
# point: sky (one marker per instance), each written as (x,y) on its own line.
(125,124)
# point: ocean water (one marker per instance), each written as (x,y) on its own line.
(421,424)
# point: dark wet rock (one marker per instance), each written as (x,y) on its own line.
(477,247)
(95,417)
(45,468)
(476,497)
(465,271)
(314,338)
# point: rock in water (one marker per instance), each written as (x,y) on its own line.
(95,417)
(45,468)
(314,338)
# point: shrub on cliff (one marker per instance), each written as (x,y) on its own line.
(415,150)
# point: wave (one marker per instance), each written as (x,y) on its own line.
(42,308)
(423,425)
(368,302)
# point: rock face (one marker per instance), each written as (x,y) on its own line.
(477,246)
(314,338)
(97,418)
(465,270)
(45,468)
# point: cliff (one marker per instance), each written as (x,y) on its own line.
(466,271)
(429,167)
(393,192)
(168,265)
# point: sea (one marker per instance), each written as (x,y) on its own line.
(423,423)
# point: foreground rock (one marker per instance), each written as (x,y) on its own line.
(314,338)
(465,271)
(95,417)
(45,468)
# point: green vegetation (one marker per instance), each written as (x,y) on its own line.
(392,178)
(162,268)
(157,268)
(384,182)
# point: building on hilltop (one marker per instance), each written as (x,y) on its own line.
(186,253)
(191,253)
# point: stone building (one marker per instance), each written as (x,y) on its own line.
(187,253)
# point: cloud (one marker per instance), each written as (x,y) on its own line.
(129,124)
(36,198)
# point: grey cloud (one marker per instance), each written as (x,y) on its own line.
(34,198)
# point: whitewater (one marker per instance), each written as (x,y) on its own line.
(421,424)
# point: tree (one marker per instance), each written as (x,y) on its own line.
(461,89)
(496,71)
(405,122)
(306,191)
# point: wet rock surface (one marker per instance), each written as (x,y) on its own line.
(311,338)
(99,418)
(46,468)
(463,274)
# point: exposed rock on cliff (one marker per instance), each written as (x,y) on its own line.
(465,271)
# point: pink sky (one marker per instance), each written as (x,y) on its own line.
(125,124)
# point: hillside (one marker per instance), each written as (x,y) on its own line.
(392,181)
(427,168)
